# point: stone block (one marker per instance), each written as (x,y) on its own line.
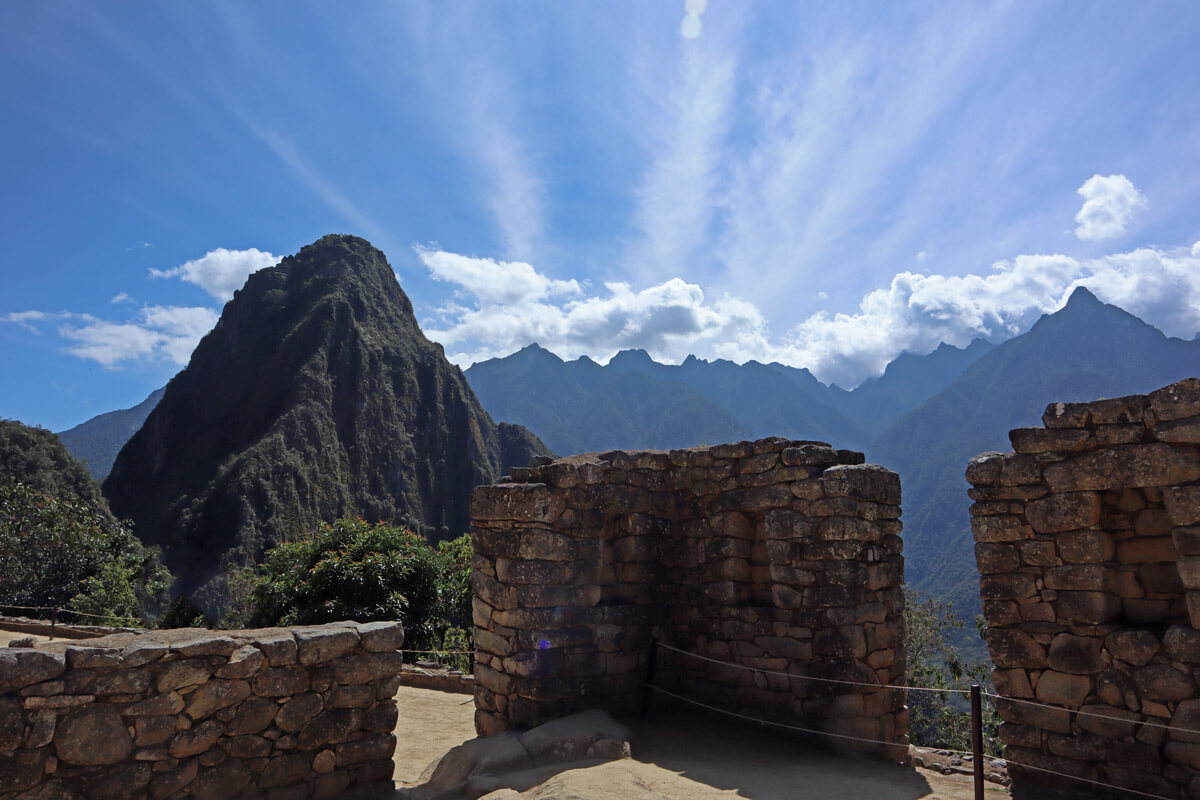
(331,726)
(221,782)
(21,667)
(253,716)
(863,482)
(91,736)
(321,643)
(520,502)
(1182,504)
(1065,511)
(1014,649)
(366,667)
(1088,608)
(280,682)
(1163,683)
(183,673)
(1066,415)
(381,637)
(1078,655)
(205,644)
(1086,547)
(298,711)
(1124,466)
(1136,647)
(244,662)
(992,557)
(1010,528)
(1180,431)
(1049,440)
(1061,689)
(195,740)
(1177,400)
(214,695)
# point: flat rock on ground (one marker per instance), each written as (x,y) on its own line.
(677,755)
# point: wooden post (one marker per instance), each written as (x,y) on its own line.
(53,617)
(650,665)
(977,739)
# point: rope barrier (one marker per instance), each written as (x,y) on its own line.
(1147,723)
(440,652)
(813,677)
(57,610)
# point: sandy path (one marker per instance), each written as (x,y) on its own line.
(679,755)
(8,636)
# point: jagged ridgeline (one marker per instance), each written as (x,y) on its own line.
(316,396)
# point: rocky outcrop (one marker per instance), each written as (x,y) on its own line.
(1087,539)
(288,712)
(780,558)
(316,396)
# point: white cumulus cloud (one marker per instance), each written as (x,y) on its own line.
(915,312)
(220,272)
(494,282)
(1108,205)
(155,333)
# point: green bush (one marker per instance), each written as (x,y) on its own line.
(66,552)
(938,719)
(357,570)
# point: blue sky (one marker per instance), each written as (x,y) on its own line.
(821,184)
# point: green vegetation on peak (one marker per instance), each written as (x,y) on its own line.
(315,397)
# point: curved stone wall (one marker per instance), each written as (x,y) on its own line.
(277,713)
(776,555)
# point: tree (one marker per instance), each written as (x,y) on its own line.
(355,570)
(939,719)
(67,552)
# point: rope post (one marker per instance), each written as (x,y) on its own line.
(977,739)
(53,618)
(650,664)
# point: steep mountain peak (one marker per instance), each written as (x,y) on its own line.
(535,352)
(1082,297)
(316,396)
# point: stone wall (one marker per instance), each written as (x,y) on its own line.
(778,555)
(1088,547)
(275,713)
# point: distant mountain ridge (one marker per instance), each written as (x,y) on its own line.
(315,396)
(634,401)
(97,441)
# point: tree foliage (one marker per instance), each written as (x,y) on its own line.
(364,571)
(66,552)
(938,719)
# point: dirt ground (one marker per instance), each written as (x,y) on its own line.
(679,755)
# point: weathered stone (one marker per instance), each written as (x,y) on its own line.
(1049,440)
(318,644)
(20,667)
(12,724)
(1008,528)
(330,727)
(1136,647)
(280,682)
(205,644)
(994,557)
(168,703)
(1177,400)
(252,716)
(381,718)
(297,711)
(1014,649)
(1134,465)
(377,748)
(1085,547)
(523,502)
(142,651)
(1163,683)
(221,782)
(195,740)
(150,731)
(284,770)
(183,673)
(244,662)
(1058,688)
(214,695)
(1064,512)
(166,784)
(1078,655)
(356,696)
(363,668)
(1088,608)
(92,736)
(381,637)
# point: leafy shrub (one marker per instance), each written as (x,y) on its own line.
(937,719)
(355,570)
(67,552)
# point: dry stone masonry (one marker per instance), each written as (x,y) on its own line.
(1087,539)
(780,555)
(273,713)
